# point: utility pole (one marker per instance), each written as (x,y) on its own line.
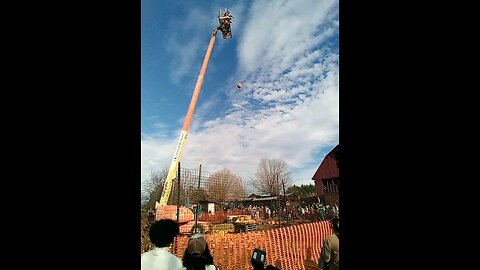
(198,201)
(178,203)
(178,198)
(279,205)
(285,199)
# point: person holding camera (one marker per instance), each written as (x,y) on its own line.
(329,256)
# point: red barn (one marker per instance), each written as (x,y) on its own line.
(326,178)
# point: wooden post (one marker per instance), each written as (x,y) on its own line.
(285,200)
(178,187)
(279,205)
(198,201)
(178,204)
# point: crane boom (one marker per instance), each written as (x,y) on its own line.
(167,187)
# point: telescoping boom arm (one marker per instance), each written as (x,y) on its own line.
(224,19)
(167,187)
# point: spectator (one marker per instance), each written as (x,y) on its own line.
(329,255)
(162,233)
(197,255)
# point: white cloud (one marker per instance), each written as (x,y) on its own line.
(156,154)
(201,112)
(304,175)
(159,125)
(278,32)
(288,106)
(185,57)
(185,45)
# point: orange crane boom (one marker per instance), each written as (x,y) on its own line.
(162,209)
(167,187)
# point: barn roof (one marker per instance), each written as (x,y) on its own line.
(328,168)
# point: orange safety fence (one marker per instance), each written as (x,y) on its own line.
(217,217)
(289,248)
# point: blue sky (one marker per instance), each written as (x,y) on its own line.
(285,54)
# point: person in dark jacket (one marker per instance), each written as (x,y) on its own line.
(330,256)
(197,255)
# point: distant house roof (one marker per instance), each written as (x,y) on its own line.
(208,201)
(265,198)
(328,168)
(258,198)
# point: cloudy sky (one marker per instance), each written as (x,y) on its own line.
(285,54)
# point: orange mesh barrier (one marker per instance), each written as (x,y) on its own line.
(294,247)
(217,217)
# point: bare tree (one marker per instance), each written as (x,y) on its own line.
(271,175)
(198,195)
(188,188)
(224,186)
(152,188)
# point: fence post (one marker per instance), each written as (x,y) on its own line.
(178,197)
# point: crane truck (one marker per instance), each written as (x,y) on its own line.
(170,211)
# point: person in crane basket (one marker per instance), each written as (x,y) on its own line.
(225,19)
